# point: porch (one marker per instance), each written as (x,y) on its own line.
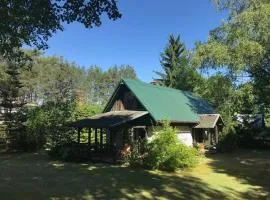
(109,133)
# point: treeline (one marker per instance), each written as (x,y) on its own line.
(52,79)
(40,94)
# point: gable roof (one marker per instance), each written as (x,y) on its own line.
(164,103)
(209,121)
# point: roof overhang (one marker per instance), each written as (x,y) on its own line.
(174,122)
(109,119)
(209,121)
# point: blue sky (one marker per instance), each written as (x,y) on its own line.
(139,36)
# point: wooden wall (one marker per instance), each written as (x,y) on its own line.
(126,101)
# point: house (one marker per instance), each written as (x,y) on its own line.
(136,108)
(255,121)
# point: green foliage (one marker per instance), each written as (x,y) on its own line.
(217,90)
(137,154)
(36,128)
(51,79)
(170,60)
(166,152)
(33,22)
(70,152)
(175,62)
(55,91)
(99,85)
(227,140)
(245,101)
(48,124)
(85,111)
(11,102)
(240,45)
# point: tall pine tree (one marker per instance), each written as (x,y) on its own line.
(177,70)
(11,101)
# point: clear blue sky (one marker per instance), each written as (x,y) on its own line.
(139,36)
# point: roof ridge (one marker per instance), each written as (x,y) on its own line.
(155,86)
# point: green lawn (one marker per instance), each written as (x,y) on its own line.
(243,175)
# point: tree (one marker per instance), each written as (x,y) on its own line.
(178,72)
(32,22)
(217,90)
(49,79)
(11,100)
(245,101)
(101,84)
(52,79)
(241,44)
(170,60)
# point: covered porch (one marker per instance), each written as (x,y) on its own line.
(108,133)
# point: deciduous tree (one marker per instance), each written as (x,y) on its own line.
(32,22)
(241,44)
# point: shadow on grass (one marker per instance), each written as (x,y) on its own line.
(249,166)
(34,176)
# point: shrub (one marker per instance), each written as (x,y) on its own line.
(165,152)
(135,157)
(227,142)
(48,124)
(253,138)
(70,152)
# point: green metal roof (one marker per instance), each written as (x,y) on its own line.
(164,103)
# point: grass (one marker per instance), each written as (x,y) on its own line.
(242,175)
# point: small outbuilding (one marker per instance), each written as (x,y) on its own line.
(208,129)
(255,121)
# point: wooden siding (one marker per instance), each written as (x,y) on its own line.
(126,101)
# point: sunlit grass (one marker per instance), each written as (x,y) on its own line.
(243,175)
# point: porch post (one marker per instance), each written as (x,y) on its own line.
(101,139)
(193,135)
(216,133)
(96,136)
(79,135)
(89,136)
(111,137)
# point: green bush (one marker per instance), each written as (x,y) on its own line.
(253,138)
(48,124)
(135,158)
(70,152)
(165,152)
(227,142)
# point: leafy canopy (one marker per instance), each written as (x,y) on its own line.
(241,45)
(32,22)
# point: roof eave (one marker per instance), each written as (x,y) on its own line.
(179,122)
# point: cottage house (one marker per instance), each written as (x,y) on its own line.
(136,108)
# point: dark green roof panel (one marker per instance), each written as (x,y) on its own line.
(167,103)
